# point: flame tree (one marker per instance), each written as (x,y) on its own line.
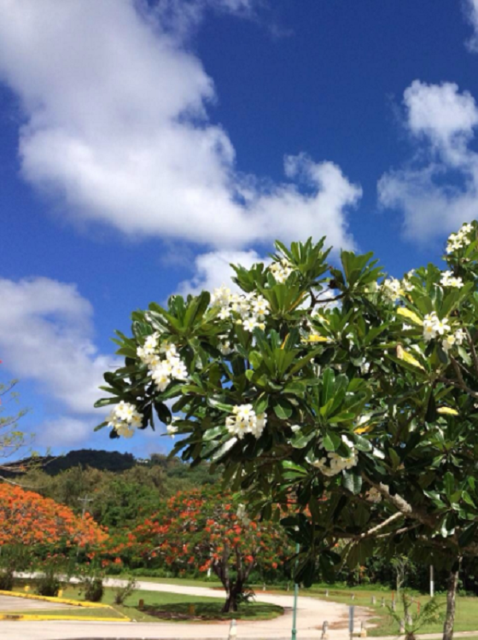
(28,519)
(206,528)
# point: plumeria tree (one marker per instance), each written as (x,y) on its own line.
(209,529)
(347,393)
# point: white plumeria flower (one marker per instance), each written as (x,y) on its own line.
(125,411)
(225,347)
(250,324)
(221,296)
(245,421)
(171,429)
(433,326)
(458,240)
(449,280)
(332,464)
(442,327)
(448,342)
(392,289)
(136,420)
(161,377)
(374,495)
(281,270)
(124,418)
(224,313)
(125,430)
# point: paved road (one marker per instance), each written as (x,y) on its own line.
(10,603)
(311,614)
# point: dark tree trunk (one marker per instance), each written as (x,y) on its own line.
(450,604)
(232,597)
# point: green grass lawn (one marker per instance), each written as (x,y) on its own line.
(466,610)
(159,605)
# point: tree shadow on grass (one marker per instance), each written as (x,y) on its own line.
(185,611)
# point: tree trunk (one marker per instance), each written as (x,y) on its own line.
(450,604)
(232,596)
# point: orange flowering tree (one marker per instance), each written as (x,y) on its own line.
(28,519)
(204,529)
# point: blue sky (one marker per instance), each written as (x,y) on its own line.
(145,145)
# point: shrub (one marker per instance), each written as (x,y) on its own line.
(48,584)
(92,589)
(6,579)
(121,593)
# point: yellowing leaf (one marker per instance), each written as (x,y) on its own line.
(315,337)
(364,429)
(410,315)
(407,357)
(448,411)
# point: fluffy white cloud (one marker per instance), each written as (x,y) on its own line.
(116,127)
(471,13)
(64,431)
(45,336)
(438,189)
(212,270)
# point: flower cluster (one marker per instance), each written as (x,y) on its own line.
(373,495)
(252,308)
(433,328)
(163,361)
(124,418)
(172,429)
(281,270)
(245,420)
(458,240)
(333,463)
(392,289)
(449,280)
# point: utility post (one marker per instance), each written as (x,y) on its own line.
(84,502)
(296,595)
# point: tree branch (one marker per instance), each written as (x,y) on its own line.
(472,349)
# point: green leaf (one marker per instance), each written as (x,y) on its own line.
(331,441)
(103,402)
(352,481)
(282,408)
(449,481)
(468,534)
(222,406)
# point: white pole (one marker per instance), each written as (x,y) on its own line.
(432,583)
(233,630)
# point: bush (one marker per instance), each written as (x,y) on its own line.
(92,589)
(6,579)
(48,584)
(121,593)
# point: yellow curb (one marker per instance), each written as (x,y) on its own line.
(76,603)
(28,616)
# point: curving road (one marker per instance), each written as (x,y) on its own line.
(311,614)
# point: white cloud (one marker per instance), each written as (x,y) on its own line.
(438,189)
(212,270)
(116,127)
(46,336)
(181,16)
(64,431)
(471,13)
